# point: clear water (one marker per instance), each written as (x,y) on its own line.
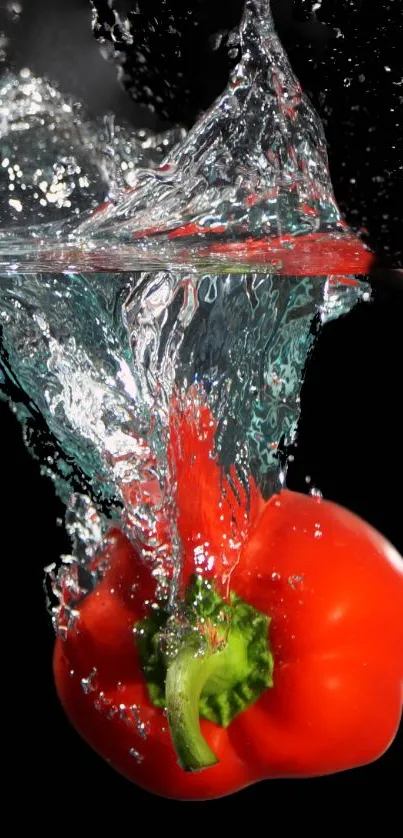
(98,358)
(252,171)
(182,278)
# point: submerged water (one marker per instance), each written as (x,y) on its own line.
(99,357)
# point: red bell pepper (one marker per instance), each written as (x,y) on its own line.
(285,661)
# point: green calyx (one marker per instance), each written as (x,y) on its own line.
(214,662)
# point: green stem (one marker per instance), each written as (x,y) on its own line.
(188,676)
(222,666)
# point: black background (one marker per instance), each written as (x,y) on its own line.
(350,442)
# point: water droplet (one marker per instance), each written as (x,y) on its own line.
(89,684)
(295,581)
(137,756)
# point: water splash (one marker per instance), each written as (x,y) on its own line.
(78,163)
(244,247)
(249,185)
(256,163)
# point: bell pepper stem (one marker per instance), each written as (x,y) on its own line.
(216,667)
(188,674)
(186,677)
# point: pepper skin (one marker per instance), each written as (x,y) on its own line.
(290,656)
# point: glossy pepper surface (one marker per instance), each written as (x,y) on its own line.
(285,661)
